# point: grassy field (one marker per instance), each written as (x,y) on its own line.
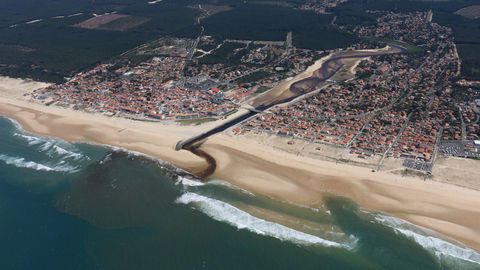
(124,24)
(262,89)
(410,48)
(471,12)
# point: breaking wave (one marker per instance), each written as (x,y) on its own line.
(189,182)
(22,163)
(436,245)
(228,185)
(225,212)
(51,147)
(16,124)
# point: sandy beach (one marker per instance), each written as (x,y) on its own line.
(444,207)
(449,209)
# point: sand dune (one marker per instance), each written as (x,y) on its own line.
(16,88)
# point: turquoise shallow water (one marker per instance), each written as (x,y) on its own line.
(78,206)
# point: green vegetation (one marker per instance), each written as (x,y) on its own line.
(224,54)
(352,14)
(255,76)
(465,30)
(467,38)
(60,49)
(410,48)
(262,89)
(125,23)
(166,19)
(270,22)
(57,49)
(18,11)
(207,47)
(470,55)
(322,38)
(230,113)
(196,121)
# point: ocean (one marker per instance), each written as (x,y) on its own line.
(83,206)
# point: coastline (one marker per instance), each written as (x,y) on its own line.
(448,209)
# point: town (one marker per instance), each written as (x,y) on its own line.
(167,85)
(407,106)
(404,106)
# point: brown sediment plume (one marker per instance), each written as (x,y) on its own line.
(211,162)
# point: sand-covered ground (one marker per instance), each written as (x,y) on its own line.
(282,90)
(17,88)
(98,21)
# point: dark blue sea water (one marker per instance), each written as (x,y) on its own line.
(79,206)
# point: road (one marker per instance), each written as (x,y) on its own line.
(404,126)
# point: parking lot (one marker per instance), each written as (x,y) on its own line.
(460,149)
(418,164)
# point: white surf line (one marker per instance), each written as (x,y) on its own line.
(50,146)
(162,163)
(22,163)
(219,182)
(74,15)
(189,182)
(66,16)
(438,246)
(40,20)
(15,123)
(34,21)
(225,212)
